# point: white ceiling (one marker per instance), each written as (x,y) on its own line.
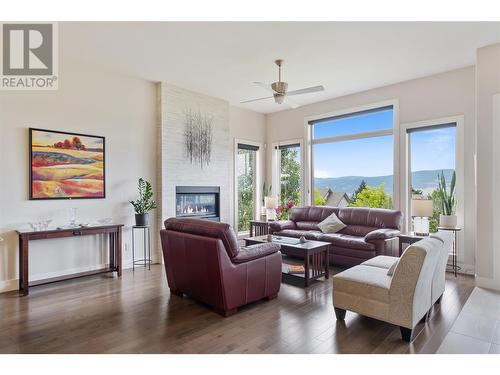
(223,59)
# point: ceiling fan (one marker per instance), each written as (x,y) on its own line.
(278,89)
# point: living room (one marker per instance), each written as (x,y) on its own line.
(327,190)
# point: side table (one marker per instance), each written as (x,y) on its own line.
(259,228)
(453,266)
(146,232)
(408,238)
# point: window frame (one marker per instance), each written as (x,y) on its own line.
(310,142)
(405,159)
(258,180)
(276,167)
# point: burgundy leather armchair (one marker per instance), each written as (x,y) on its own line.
(369,231)
(203,260)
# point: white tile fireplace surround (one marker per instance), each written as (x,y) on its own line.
(176,170)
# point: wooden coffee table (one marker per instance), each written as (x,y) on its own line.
(313,255)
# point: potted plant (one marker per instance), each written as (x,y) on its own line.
(144,204)
(447,218)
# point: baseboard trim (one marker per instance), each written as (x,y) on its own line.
(466,269)
(488,283)
(9,285)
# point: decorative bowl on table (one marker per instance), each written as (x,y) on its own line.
(41,225)
(104,220)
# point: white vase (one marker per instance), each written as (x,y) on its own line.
(448,221)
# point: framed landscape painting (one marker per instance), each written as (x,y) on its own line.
(66,165)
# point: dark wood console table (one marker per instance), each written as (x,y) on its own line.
(115,252)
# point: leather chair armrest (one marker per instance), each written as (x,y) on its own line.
(381,234)
(278,226)
(248,253)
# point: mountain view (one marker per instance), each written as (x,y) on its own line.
(424,180)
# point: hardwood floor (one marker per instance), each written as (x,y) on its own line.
(136,314)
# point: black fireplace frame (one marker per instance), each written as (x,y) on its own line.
(194,190)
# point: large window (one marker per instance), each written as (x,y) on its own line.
(246,175)
(352,159)
(432,153)
(290,173)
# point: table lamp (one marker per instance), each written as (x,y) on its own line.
(421,210)
(270,203)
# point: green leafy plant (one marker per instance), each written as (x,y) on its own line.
(145,203)
(319,200)
(290,173)
(375,197)
(447,198)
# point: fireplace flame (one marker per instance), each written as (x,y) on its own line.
(194,209)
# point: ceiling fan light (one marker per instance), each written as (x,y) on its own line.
(279,98)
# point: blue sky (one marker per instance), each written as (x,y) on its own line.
(433,149)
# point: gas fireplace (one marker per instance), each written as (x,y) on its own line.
(197,201)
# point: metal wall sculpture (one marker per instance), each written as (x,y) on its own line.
(198,137)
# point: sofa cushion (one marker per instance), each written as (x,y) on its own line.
(371,217)
(364,281)
(309,234)
(312,213)
(332,224)
(344,240)
(307,225)
(357,230)
(382,261)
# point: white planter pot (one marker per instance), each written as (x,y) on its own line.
(448,221)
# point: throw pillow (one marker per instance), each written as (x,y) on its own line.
(331,224)
(391,270)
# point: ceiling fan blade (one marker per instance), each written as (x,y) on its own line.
(291,103)
(306,90)
(265,86)
(254,100)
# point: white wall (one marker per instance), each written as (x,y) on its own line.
(488,164)
(442,95)
(89,101)
(247,124)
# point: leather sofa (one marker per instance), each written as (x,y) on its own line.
(403,298)
(369,231)
(204,261)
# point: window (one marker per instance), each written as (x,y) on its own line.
(352,159)
(432,153)
(354,123)
(246,175)
(290,173)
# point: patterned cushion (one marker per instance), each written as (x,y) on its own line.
(331,224)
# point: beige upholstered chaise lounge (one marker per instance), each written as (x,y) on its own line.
(403,298)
